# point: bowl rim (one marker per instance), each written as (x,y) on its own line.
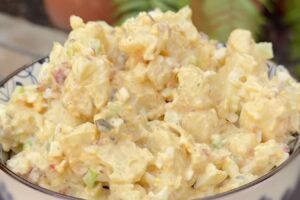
(38,188)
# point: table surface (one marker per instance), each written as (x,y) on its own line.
(22,42)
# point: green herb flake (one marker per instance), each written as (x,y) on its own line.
(28,145)
(20,90)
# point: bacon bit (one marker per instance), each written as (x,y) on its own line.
(60,76)
(251,152)
(41,88)
(286,149)
(53,167)
(205,152)
(242,163)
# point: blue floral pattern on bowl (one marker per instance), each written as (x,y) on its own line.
(25,76)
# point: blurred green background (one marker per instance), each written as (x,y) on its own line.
(276,21)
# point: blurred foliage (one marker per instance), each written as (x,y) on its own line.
(130,8)
(219,18)
(292,18)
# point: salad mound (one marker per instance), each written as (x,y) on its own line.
(151,109)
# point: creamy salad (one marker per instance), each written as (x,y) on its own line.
(151,110)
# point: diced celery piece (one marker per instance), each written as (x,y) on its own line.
(90,178)
(20,90)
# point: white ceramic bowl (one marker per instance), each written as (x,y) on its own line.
(280,183)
